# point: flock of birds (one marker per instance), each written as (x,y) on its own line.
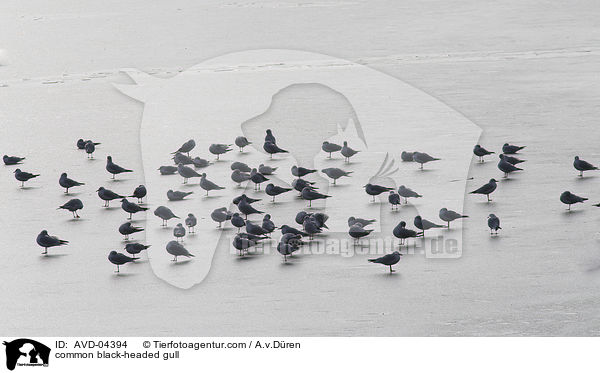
(292,239)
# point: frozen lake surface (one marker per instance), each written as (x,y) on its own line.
(525,72)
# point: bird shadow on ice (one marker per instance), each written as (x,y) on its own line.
(211,196)
(123,274)
(118,180)
(180,263)
(74,220)
(52,256)
(275,159)
(339,186)
(29,187)
(585,178)
(109,208)
(571,212)
(71,194)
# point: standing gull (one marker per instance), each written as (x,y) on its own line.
(335,173)
(267,224)
(165,214)
(191,222)
(240,166)
(135,248)
(177,195)
(406,156)
(126,229)
(208,185)
(300,216)
(45,240)
(513,160)
(511,149)
(241,142)
(247,209)
(183,159)
(167,170)
(186,147)
(186,172)
(237,221)
(286,249)
(388,260)
(310,195)
(176,249)
(244,197)
(131,207)
(113,168)
(357,232)
(257,178)
(179,231)
(364,222)
(481,152)
(274,190)
(423,158)
(394,199)
(270,138)
(299,184)
(108,195)
(569,198)
(329,147)
(407,193)
(81,143)
(493,223)
(200,162)
(375,190)
(220,215)
(73,205)
(285,229)
(486,189)
(507,167)
(119,259)
(242,244)
(23,176)
(403,233)
(449,215)
(301,171)
(266,170)
(218,149)
(139,193)
(424,224)
(239,177)
(272,148)
(67,183)
(90,148)
(255,229)
(348,152)
(581,165)
(12,160)
(311,226)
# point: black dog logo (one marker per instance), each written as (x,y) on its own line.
(31,350)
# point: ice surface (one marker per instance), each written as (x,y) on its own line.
(523,71)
